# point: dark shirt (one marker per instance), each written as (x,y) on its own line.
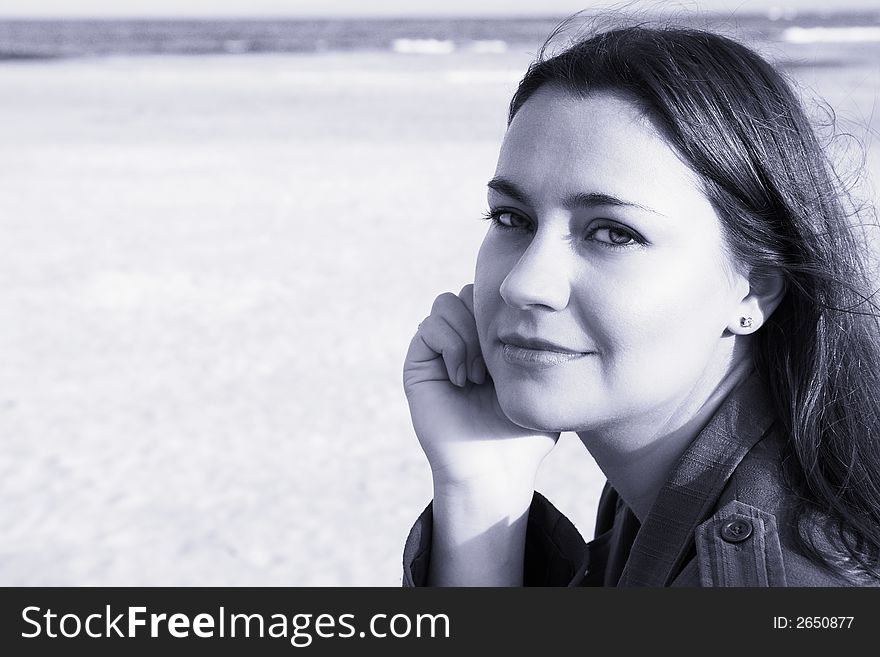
(723,518)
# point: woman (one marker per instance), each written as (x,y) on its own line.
(670,272)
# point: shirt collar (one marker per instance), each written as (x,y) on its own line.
(691,492)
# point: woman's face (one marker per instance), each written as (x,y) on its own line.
(603,290)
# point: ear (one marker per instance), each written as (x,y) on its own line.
(765,292)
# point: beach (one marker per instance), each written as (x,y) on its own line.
(212,268)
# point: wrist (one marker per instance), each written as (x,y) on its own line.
(479,530)
(487,495)
(508,479)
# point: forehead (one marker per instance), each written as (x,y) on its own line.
(559,143)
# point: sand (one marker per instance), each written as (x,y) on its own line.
(211,270)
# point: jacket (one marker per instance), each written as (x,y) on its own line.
(723,518)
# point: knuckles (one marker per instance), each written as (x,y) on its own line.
(445,301)
(456,350)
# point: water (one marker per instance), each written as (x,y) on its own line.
(29,39)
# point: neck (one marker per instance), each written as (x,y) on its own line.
(638,460)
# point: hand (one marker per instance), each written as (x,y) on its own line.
(465,435)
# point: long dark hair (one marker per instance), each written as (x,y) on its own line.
(737,122)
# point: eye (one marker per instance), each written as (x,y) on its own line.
(509,219)
(614,236)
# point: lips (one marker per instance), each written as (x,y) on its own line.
(537,344)
(533,352)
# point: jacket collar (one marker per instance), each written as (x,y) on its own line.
(691,492)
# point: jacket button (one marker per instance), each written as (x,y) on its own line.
(735,531)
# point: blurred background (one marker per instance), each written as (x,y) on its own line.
(222,222)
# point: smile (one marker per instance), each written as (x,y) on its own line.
(539,358)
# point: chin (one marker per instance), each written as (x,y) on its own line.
(541,412)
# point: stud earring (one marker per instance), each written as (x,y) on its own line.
(745,322)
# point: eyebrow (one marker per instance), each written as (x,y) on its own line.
(584,199)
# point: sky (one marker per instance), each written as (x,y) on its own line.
(255,8)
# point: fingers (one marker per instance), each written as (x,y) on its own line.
(478,369)
(451,332)
(442,339)
(455,312)
(467,297)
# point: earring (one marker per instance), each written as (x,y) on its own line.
(745,322)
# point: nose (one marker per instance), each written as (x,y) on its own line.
(540,276)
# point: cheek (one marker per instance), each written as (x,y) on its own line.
(668,312)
